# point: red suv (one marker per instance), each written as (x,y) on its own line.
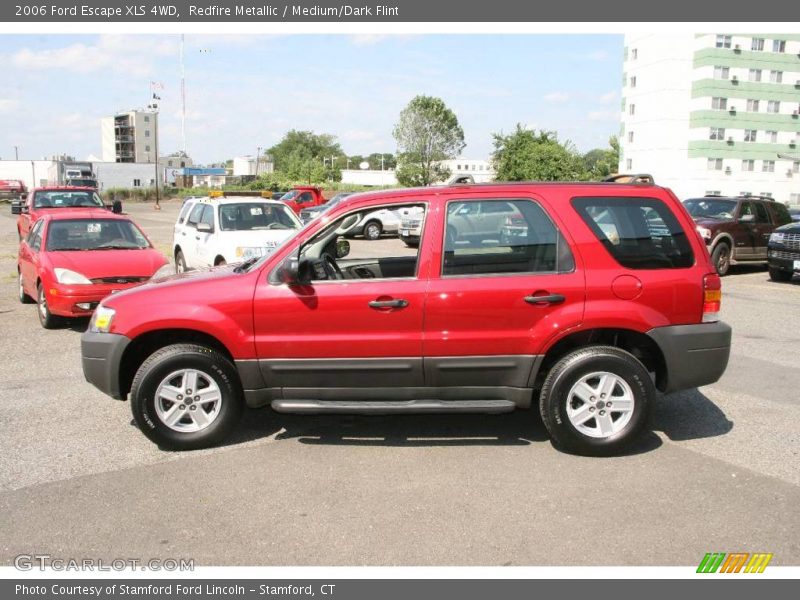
(603,295)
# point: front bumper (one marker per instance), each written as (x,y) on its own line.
(695,355)
(63,300)
(101,356)
(785,260)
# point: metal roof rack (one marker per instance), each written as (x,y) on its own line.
(631,178)
(755,196)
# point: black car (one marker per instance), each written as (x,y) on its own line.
(794,212)
(309,214)
(783,252)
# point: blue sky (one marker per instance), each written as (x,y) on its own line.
(247,91)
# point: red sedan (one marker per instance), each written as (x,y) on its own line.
(72,259)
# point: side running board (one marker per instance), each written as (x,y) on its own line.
(389,407)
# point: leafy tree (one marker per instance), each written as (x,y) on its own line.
(602,162)
(302,145)
(427,133)
(528,155)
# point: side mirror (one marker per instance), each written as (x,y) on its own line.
(205,228)
(16,208)
(746,219)
(116,207)
(289,271)
(342,248)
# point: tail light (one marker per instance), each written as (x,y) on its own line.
(712,297)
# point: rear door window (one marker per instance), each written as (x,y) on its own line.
(492,237)
(761,213)
(639,233)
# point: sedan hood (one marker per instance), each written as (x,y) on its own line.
(109,263)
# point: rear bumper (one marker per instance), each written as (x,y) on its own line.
(695,355)
(101,356)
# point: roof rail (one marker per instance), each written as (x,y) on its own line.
(637,178)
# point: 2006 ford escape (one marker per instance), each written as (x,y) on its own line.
(583,298)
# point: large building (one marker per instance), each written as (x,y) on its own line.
(130,137)
(713,113)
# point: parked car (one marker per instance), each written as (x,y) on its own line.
(411,221)
(72,259)
(44,200)
(584,326)
(376,223)
(784,252)
(215,231)
(311,213)
(304,196)
(736,229)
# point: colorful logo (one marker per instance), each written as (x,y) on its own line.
(734,562)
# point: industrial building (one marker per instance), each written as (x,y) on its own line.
(130,137)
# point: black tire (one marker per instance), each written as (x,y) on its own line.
(172,358)
(373,230)
(779,275)
(567,372)
(47,319)
(180,262)
(721,258)
(23,297)
(220,261)
(411,244)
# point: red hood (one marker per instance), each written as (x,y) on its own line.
(110,263)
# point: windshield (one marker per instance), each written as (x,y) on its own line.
(713,208)
(289,195)
(63,199)
(82,183)
(248,216)
(94,234)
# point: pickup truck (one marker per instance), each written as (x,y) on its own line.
(12,189)
(303,196)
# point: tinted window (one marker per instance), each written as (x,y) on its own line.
(35,236)
(711,207)
(781,213)
(208,215)
(194,216)
(64,199)
(502,236)
(761,213)
(255,215)
(745,209)
(640,233)
(185,211)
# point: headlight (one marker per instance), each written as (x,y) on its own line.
(164,271)
(250,251)
(68,277)
(776,238)
(704,233)
(101,319)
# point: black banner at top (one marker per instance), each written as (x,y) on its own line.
(397,11)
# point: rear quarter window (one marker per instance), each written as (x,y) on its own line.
(639,233)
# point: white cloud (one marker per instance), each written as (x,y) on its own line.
(608,98)
(8,105)
(556,97)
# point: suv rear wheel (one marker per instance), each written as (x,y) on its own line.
(721,257)
(180,262)
(595,401)
(186,397)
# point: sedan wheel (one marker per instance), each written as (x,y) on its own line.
(47,319)
(23,297)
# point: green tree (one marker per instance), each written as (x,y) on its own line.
(427,133)
(602,162)
(528,155)
(306,156)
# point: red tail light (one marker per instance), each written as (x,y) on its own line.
(712,297)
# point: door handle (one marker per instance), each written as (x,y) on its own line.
(400,303)
(197,237)
(541,300)
(183,233)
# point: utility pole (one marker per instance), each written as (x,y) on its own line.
(183,100)
(258,155)
(16,152)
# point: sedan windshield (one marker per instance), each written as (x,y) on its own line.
(94,234)
(712,208)
(64,199)
(247,216)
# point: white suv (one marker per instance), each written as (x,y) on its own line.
(215,231)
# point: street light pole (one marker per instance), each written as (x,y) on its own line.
(258,155)
(16,152)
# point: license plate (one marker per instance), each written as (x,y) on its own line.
(405,232)
(797,265)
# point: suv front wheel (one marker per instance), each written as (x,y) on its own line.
(595,401)
(186,397)
(721,258)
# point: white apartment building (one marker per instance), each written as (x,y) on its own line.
(247,165)
(130,136)
(481,170)
(713,113)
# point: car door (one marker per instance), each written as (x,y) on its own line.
(189,237)
(744,232)
(179,231)
(205,249)
(762,229)
(494,301)
(29,250)
(348,333)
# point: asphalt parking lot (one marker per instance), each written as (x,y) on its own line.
(720,472)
